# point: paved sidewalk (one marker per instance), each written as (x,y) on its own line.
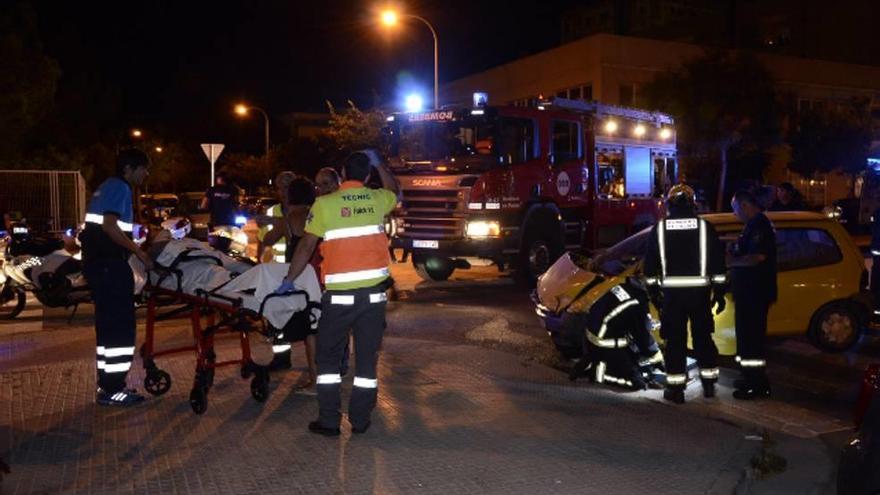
(451,419)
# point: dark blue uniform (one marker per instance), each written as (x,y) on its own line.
(223,204)
(106,268)
(754,290)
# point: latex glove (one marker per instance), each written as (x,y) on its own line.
(286,286)
(719,303)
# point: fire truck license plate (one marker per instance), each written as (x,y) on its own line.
(426,244)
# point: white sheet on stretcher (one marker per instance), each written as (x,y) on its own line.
(264,279)
(207,275)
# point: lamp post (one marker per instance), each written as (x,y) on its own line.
(390,18)
(242,110)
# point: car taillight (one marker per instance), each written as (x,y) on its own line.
(870,386)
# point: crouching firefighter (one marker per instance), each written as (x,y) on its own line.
(619,348)
(686,275)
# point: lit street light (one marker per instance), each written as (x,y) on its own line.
(136,133)
(242,110)
(158,149)
(390,18)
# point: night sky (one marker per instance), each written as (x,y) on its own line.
(180,65)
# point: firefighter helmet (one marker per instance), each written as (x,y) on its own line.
(681,195)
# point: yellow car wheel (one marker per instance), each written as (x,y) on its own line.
(836,326)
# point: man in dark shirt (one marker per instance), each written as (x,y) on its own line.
(221,200)
(753,271)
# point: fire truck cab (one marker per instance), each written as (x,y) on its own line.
(520,185)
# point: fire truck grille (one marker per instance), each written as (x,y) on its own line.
(432,214)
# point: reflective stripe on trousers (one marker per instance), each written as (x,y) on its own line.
(710,373)
(676,379)
(603,377)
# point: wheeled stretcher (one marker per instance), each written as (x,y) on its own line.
(234,307)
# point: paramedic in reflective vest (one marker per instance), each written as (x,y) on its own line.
(299,197)
(619,342)
(684,267)
(106,246)
(273,228)
(753,280)
(355,269)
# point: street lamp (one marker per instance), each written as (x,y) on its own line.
(242,110)
(390,18)
(136,133)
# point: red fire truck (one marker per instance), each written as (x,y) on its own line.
(520,185)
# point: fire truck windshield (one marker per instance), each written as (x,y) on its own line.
(459,144)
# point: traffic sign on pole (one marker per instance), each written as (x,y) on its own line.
(212,151)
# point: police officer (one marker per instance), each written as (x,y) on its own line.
(619,344)
(355,269)
(221,200)
(684,264)
(106,246)
(753,274)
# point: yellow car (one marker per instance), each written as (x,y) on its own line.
(822,284)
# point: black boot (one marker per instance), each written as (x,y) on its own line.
(579,369)
(674,394)
(752,391)
(708,388)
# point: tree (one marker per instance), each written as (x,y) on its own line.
(831,138)
(354,129)
(28,77)
(722,102)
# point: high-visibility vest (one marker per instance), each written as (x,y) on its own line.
(279,249)
(351,222)
(676,238)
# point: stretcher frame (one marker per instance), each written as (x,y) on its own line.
(224,317)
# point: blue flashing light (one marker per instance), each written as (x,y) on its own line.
(240,220)
(414,102)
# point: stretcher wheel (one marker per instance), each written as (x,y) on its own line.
(157,382)
(198,399)
(260,387)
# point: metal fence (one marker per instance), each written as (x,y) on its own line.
(48,199)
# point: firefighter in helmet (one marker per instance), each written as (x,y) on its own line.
(619,348)
(686,275)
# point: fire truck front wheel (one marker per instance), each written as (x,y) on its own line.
(540,249)
(434,268)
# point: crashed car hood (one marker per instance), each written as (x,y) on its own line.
(561,283)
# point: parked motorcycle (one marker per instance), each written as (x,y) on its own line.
(41,264)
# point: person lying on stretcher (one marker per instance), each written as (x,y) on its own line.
(192,266)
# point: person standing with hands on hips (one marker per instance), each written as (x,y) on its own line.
(753,273)
(356,273)
(106,245)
